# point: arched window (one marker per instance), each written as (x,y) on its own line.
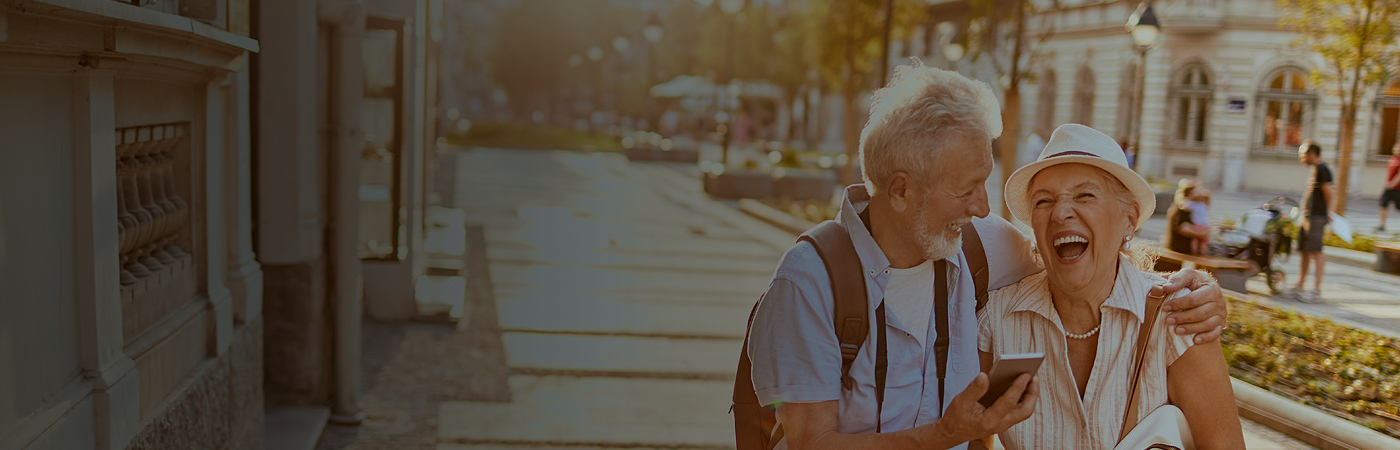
(1084,97)
(1127,92)
(1191,92)
(1388,110)
(1045,105)
(1285,105)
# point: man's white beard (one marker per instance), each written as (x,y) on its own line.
(935,245)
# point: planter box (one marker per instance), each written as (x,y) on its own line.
(687,155)
(805,185)
(740,183)
(643,153)
(1387,258)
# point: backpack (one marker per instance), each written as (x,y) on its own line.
(755,425)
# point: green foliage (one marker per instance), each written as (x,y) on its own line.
(1353,36)
(517,135)
(1350,373)
(1359,242)
(851,31)
(536,38)
(994,34)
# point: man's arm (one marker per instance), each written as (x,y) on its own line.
(1008,251)
(1194,231)
(809,426)
(1328,193)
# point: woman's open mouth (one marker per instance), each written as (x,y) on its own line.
(1070,247)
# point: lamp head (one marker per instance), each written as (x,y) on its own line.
(1143,26)
(652,30)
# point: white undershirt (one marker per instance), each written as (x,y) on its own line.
(909,296)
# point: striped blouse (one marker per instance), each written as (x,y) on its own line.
(1021,318)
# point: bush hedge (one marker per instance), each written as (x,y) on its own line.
(1350,373)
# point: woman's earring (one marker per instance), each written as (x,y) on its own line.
(1126,240)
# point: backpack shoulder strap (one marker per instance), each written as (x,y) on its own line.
(977,261)
(852,310)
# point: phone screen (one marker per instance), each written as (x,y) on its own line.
(1004,372)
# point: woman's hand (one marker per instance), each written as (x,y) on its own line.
(1201,312)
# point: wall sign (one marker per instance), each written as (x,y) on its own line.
(1236,106)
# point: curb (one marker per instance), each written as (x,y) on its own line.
(1312,427)
(1349,257)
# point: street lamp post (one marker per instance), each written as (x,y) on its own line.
(595,54)
(621,44)
(730,8)
(653,32)
(1144,29)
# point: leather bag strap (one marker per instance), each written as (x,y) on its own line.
(851,302)
(940,307)
(976,262)
(1154,305)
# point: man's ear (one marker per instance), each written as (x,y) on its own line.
(899,188)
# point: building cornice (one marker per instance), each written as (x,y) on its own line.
(110,30)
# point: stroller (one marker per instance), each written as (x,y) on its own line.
(1262,237)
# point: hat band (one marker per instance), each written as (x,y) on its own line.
(1073,153)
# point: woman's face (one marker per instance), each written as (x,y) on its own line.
(1079,226)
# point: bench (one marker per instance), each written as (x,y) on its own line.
(1231,273)
(1388,257)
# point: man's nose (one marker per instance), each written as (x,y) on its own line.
(979,208)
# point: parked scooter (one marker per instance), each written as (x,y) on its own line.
(1262,239)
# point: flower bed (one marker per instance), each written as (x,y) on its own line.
(1349,373)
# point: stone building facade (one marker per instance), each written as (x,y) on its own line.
(132,312)
(1227,98)
(202,200)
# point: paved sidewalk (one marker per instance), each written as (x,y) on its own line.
(619,295)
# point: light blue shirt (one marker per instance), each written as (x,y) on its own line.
(796,356)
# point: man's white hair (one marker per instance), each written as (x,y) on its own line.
(914,118)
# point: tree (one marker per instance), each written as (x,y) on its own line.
(1004,43)
(1353,37)
(536,38)
(849,51)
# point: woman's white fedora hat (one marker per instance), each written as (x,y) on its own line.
(1075,143)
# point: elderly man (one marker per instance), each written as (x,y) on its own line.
(926,156)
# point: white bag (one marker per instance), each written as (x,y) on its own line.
(1164,429)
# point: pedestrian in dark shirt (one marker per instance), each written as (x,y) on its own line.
(1316,207)
(1391,195)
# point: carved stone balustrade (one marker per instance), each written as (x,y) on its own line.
(153,224)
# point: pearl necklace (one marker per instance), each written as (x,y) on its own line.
(1086,335)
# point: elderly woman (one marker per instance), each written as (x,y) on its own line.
(1084,311)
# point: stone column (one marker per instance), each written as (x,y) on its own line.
(347,92)
(219,297)
(289,220)
(116,386)
(245,279)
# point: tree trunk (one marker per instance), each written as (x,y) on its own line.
(849,131)
(1009,141)
(1344,158)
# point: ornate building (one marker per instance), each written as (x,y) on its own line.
(1227,98)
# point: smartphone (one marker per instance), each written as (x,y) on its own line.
(1004,372)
